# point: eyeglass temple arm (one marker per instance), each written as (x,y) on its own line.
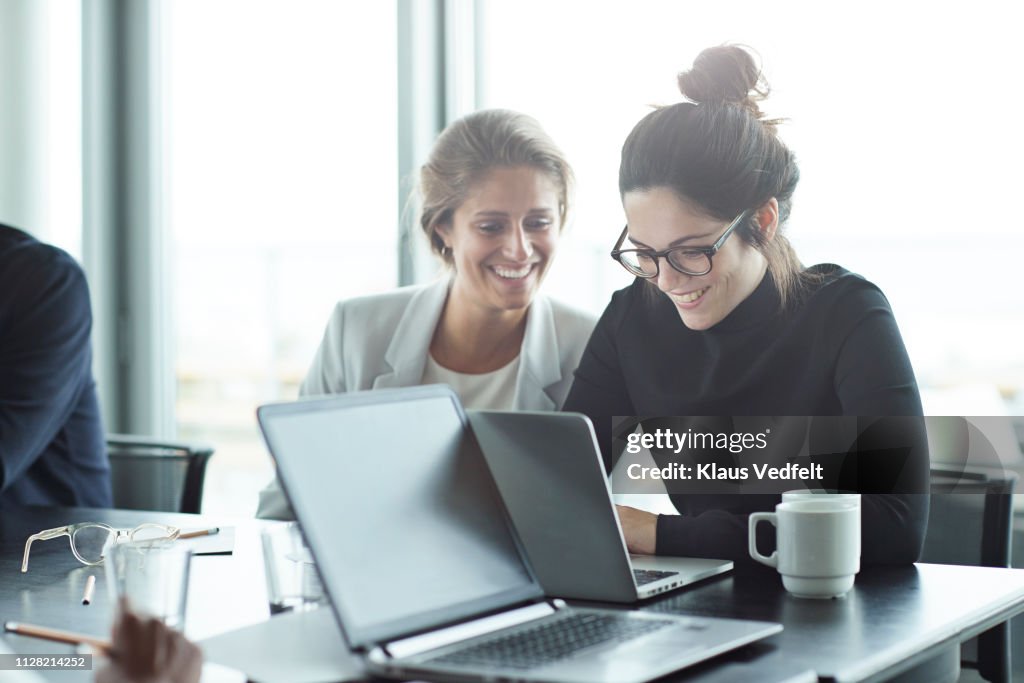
(619,242)
(45,535)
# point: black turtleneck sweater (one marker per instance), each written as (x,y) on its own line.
(835,350)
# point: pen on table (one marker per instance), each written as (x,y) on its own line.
(201,532)
(90,584)
(58,636)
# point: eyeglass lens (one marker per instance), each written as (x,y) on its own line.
(152,532)
(692,262)
(91,541)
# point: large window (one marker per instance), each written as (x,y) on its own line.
(40,121)
(281,145)
(903,117)
(280,161)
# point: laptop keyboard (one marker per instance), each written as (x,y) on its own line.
(645,576)
(551,641)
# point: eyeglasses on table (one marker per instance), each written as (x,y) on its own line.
(89,540)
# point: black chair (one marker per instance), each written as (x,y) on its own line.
(149,474)
(971,523)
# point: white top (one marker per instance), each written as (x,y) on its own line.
(383,340)
(495,390)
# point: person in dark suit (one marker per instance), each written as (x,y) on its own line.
(52,448)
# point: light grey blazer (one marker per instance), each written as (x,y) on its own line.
(382,340)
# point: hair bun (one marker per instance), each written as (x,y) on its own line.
(725,74)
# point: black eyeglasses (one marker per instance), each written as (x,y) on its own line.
(687,260)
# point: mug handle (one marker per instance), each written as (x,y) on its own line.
(770,560)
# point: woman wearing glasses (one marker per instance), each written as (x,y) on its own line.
(495,197)
(723,319)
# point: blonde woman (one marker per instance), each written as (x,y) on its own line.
(495,194)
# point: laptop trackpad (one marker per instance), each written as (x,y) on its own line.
(666,643)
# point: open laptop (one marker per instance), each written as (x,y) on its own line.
(549,470)
(425,573)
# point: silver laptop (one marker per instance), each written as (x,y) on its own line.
(424,570)
(549,470)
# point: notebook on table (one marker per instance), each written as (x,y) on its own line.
(426,575)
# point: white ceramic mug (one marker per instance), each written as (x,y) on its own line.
(818,544)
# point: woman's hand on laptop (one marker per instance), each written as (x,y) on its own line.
(640,529)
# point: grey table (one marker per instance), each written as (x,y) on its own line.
(226,592)
(894,620)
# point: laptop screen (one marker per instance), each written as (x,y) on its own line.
(399,509)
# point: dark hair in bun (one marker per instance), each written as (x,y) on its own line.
(716,152)
(725,74)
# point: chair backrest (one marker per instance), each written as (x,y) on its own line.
(971,523)
(150,474)
(971,517)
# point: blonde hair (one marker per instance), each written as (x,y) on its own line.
(470,148)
